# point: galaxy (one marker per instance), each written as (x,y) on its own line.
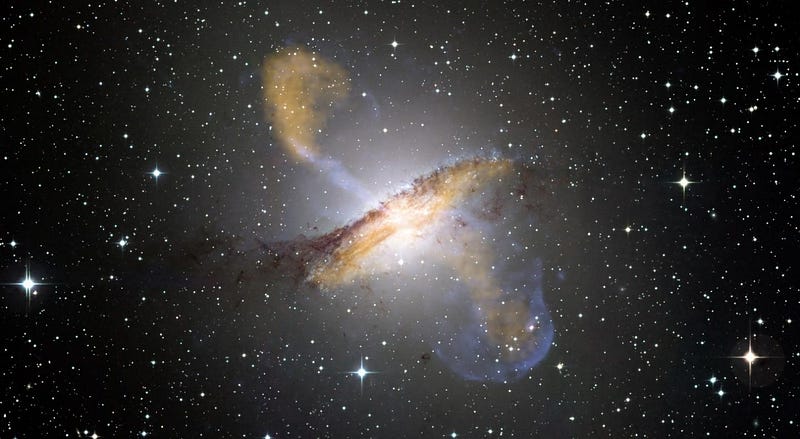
(398,219)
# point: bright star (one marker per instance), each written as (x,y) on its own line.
(122,243)
(628,229)
(513,56)
(12,243)
(361,372)
(712,380)
(156,173)
(28,283)
(778,75)
(395,44)
(684,183)
(750,357)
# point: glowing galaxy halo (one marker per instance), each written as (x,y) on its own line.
(505,328)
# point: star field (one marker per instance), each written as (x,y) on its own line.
(248,219)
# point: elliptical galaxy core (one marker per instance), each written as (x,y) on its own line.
(455,215)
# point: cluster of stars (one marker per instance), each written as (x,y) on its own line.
(570,75)
(713,380)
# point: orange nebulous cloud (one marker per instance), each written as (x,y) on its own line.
(300,89)
(506,319)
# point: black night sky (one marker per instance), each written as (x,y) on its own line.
(580,218)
